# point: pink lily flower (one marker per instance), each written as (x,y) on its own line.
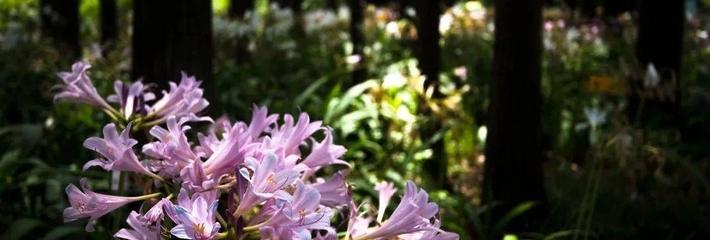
(260,120)
(386,190)
(141,229)
(195,217)
(433,233)
(325,153)
(334,191)
(266,180)
(289,137)
(230,153)
(413,214)
(77,87)
(116,151)
(172,147)
(183,100)
(88,204)
(195,180)
(132,98)
(209,143)
(299,214)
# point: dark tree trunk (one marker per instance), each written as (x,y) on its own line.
(172,36)
(428,54)
(660,42)
(332,5)
(429,61)
(60,24)
(357,15)
(237,11)
(238,8)
(109,23)
(513,169)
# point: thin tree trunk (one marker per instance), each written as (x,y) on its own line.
(357,15)
(513,169)
(660,42)
(237,11)
(109,23)
(60,24)
(170,37)
(238,8)
(429,61)
(332,5)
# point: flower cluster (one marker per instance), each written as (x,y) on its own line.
(263,178)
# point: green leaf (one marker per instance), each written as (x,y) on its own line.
(562,234)
(301,98)
(61,232)
(512,214)
(20,228)
(510,237)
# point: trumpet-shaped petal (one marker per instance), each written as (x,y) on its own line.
(290,136)
(433,233)
(230,153)
(333,192)
(172,147)
(77,87)
(141,229)
(132,98)
(386,190)
(412,215)
(209,143)
(116,151)
(325,153)
(260,120)
(183,100)
(299,213)
(195,217)
(266,180)
(195,180)
(88,204)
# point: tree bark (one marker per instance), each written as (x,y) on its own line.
(429,61)
(513,169)
(60,24)
(660,42)
(170,37)
(238,8)
(357,15)
(332,5)
(237,11)
(109,23)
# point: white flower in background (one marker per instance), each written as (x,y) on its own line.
(595,116)
(561,23)
(476,10)
(394,79)
(404,114)
(482,133)
(461,72)
(651,79)
(445,23)
(343,14)
(392,29)
(317,20)
(281,20)
(549,26)
(353,59)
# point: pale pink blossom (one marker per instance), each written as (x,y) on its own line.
(116,151)
(88,204)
